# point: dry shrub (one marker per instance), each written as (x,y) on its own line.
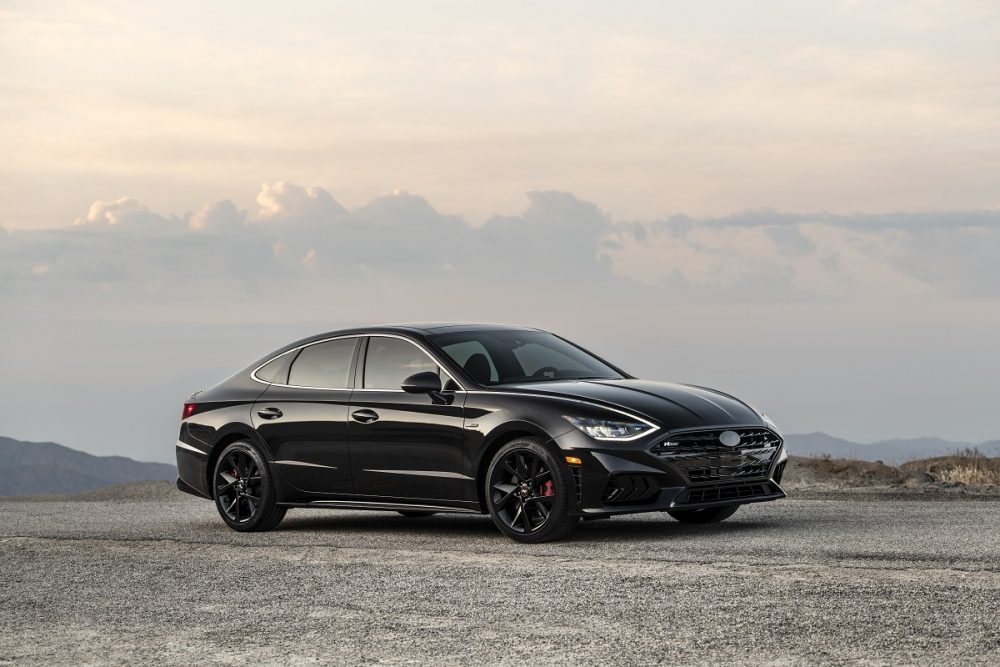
(969,466)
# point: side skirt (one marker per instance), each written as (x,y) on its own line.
(365,505)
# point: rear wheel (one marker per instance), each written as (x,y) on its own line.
(244,489)
(707,515)
(528,492)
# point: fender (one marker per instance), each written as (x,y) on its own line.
(516,426)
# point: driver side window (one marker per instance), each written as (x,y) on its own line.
(389,361)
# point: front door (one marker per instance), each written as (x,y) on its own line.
(304,421)
(407,446)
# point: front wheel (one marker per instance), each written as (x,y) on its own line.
(529,492)
(244,489)
(707,515)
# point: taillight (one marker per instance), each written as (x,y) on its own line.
(188,410)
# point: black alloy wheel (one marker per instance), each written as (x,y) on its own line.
(244,489)
(707,515)
(528,492)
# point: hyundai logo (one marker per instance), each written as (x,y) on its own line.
(729,438)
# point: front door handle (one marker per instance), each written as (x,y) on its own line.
(269,413)
(365,416)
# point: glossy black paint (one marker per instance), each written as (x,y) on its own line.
(356,447)
(308,442)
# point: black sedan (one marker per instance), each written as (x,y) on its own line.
(516,423)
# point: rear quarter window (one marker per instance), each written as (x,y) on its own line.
(276,370)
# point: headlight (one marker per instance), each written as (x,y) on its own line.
(611,429)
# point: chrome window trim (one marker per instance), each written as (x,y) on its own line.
(253,373)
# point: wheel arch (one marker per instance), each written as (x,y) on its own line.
(235,434)
(492,444)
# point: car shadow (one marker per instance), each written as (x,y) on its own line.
(617,529)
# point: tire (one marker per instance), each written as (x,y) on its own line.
(522,502)
(707,515)
(409,514)
(243,486)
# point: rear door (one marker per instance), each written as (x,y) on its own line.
(303,419)
(407,446)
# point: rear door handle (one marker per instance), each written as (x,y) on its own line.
(365,416)
(269,413)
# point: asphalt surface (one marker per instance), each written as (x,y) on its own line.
(791,582)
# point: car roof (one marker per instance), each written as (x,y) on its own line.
(418,328)
(452,327)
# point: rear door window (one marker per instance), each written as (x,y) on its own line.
(324,365)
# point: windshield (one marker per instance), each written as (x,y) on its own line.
(503,357)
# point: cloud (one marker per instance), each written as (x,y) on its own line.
(218,216)
(401,209)
(560,249)
(823,256)
(287,201)
(122,211)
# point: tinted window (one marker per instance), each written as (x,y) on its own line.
(534,357)
(324,365)
(520,356)
(391,360)
(275,370)
(462,352)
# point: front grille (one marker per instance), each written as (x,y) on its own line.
(720,493)
(702,457)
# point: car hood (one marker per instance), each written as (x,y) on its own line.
(673,406)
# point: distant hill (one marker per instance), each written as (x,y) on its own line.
(45,467)
(891,451)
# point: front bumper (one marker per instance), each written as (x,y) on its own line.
(627,478)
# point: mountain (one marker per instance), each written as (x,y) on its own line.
(891,451)
(45,467)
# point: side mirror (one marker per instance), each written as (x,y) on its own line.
(427,382)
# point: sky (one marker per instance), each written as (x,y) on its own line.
(795,202)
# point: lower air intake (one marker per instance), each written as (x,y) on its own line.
(630,490)
(722,493)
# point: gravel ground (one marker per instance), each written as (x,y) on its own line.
(791,582)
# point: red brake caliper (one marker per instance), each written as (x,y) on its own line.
(548,488)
